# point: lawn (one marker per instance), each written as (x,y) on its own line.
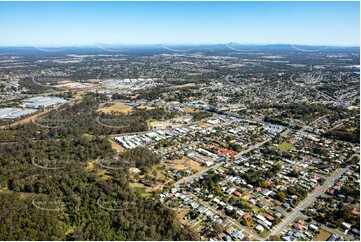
(285,146)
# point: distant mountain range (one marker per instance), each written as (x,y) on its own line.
(119,48)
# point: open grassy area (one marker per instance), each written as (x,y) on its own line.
(155,169)
(90,166)
(285,146)
(203,125)
(180,216)
(139,188)
(322,236)
(147,107)
(118,107)
(79,95)
(190,110)
(184,163)
(164,124)
(352,107)
(102,174)
(118,148)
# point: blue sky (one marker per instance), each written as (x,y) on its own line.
(81,23)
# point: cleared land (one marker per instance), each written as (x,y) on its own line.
(285,146)
(203,125)
(352,107)
(190,110)
(79,95)
(116,147)
(90,166)
(118,107)
(163,123)
(184,163)
(146,107)
(322,236)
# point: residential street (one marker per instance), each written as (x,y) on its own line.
(307,202)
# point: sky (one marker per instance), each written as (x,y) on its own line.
(88,23)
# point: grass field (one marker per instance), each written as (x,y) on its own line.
(203,125)
(164,123)
(146,107)
(184,163)
(190,110)
(118,107)
(352,107)
(90,166)
(322,236)
(140,189)
(79,95)
(116,147)
(285,146)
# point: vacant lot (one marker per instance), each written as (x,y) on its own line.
(184,163)
(190,110)
(322,236)
(79,95)
(165,124)
(146,107)
(203,125)
(118,107)
(116,146)
(285,146)
(352,107)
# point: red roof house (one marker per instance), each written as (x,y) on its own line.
(298,226)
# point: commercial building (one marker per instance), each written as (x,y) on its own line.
(14,113)
(42,102)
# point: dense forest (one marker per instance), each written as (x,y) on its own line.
(52,188)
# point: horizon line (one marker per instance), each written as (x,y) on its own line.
(179,44)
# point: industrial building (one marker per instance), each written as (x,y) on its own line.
(42,102)
(14,113)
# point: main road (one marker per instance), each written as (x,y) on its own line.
(189,178)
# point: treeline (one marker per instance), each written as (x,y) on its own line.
(142,157)
(201,115)
(306,111)
(54,187)
(353,137)
(83,119)
(79,206)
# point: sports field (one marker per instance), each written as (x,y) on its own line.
(285,146)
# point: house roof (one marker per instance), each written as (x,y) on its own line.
(298,226)
(238,194)
(238,234)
